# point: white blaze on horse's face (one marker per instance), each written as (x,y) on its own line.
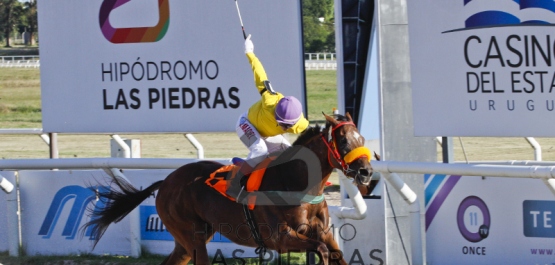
(355,139)
(358,137)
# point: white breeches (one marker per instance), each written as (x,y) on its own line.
(258,146)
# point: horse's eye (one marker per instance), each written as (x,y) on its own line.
(343,142)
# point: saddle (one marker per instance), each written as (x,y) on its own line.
(235,185)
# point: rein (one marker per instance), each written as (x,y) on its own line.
(350,156)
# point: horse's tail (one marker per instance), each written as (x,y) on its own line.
(118,203)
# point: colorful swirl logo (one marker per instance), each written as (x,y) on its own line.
(133,35)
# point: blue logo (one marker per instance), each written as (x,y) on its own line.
(152,227)
(489,14)
(81,198)
(539,218)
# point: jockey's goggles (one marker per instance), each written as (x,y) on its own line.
(285,126)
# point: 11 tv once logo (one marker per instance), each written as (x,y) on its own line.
(474,221)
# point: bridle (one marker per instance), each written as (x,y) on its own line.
(343,163)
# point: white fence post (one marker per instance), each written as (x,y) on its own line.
(126,149)
(196,144)
(12,209)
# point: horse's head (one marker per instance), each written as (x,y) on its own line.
(347,148)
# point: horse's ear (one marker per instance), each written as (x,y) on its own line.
(330,119)
(378,157)
(348,117)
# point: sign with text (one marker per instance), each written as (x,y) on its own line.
(482,68)
(513,225)
(162,66)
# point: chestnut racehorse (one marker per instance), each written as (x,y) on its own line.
(289,215)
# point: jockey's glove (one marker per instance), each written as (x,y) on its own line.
(249,47)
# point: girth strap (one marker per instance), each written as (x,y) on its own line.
(261,249)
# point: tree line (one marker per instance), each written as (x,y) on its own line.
(16,16)
(318,22)
(318,25)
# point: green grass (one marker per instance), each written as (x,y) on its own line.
(145,259)
(20,102)
(88,259)
(321,93)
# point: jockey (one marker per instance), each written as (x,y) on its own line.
(262,126)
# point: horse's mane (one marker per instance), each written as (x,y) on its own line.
(316,130)
(308,134)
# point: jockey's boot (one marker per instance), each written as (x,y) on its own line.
(237,161)
(244,167)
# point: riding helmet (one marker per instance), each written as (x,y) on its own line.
(288,110)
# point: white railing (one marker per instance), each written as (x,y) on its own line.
(320,61)
(320,65)
(19,58)
(313,61)
(321,56)
(20,61)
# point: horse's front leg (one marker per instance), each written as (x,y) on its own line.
(336,255)
(323,232)
(289,239)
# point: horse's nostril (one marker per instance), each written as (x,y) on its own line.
(363,172)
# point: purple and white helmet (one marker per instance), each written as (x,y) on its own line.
(288,110)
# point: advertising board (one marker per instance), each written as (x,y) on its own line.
(488,220)
(482,68)
(162,66)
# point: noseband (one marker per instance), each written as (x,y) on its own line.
(350,156)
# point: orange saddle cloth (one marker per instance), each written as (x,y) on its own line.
(225,181)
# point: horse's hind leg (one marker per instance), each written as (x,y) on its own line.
(178,256)
(199,252)
(183,249)
(193,243)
